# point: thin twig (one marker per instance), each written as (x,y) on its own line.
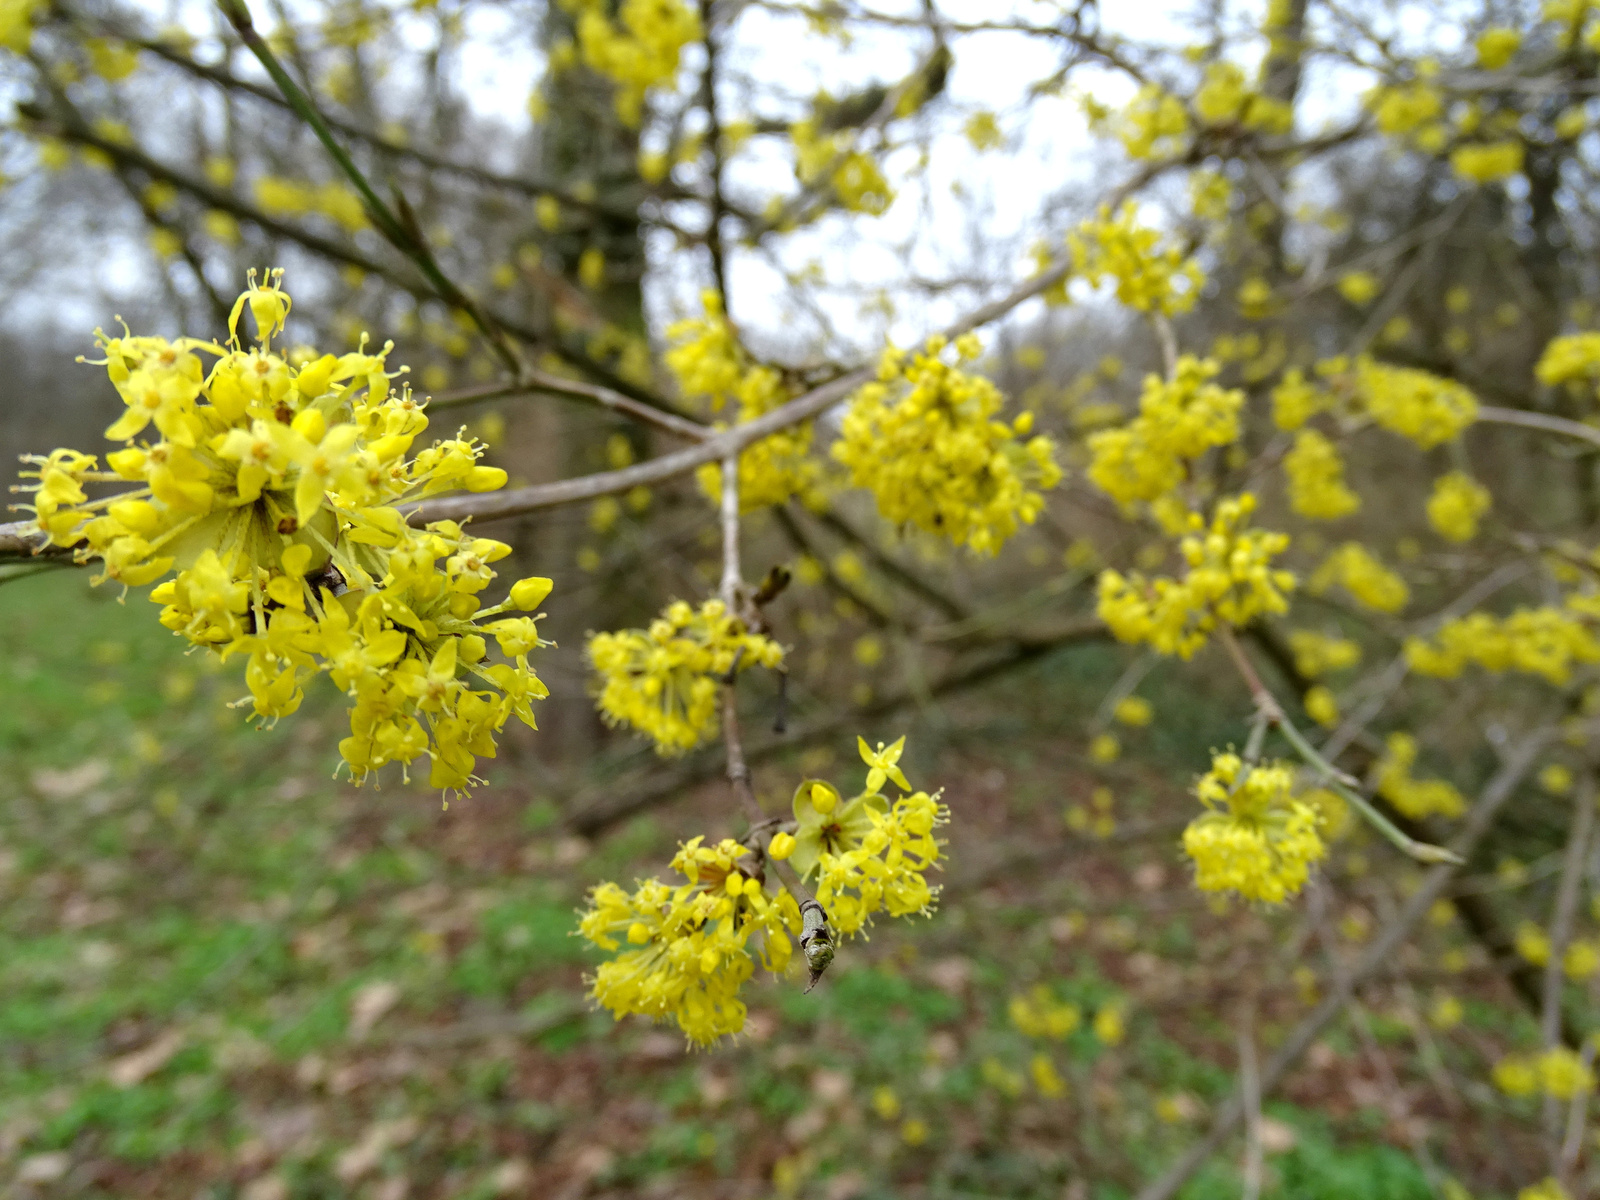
(534,381)
(401,234)
(1267,705)
(815,936)
(1250,1089)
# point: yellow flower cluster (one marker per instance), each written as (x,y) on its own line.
(16,24)
(1457,503)
(275,491)
(1318,654)
(1226,98)
(1230,580)
(853,175)
(1154,125)
(1353,567)
(291,198)
(1558,1072)
(664,681)
(1544,641)
(1178,421)
(867,854)
(1037,1013)
(1487,162)
(1296,400)
(1149,277)
(709,363)
(1496,46)
(638,50)
(1316,479)
(1415,404)
(1255,838)
(1574,359)
(689,945)
(925,441)
(1410,110)
(1415,798)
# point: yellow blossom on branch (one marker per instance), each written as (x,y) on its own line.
(1353,567)
(1316,478)
(664,681)
(868,854)
(1414,798)
(1457,504)
(275,492)
(1415,404)
(1318,654)
(709,363)
(1545,641)
(1230,580)
(1178,421)
(1149,277)
(687,949)
(1255,839)
(638,49)
(925,441)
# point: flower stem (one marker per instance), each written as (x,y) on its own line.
(1267,707)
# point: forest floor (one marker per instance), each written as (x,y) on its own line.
(225,974)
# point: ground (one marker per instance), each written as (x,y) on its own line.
(224,973)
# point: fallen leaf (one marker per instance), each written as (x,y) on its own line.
(133,1069)
(369,1004)
(69,782)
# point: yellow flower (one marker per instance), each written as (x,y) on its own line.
(868,854)
(1295,401)
(1316,478)
(1321,707)
(1515,1076)
(1573,359)
(926,442)
(275,488)
(1358,287)
(1178,421)
(1255,838)
(1447,1012)
(1562,1073)
(1423,407)
(885,1103)
(1581,959)
(1543,641)
(1318,654)
(1105,748)
(665,681)
(1149,278)
(1532,943)
(1487,163)
(1046,1078)
(1415,798)
(1037,1013)
(638,49)
(1556,779)
(686,948)
(1134,710)
(1496,46)
(1110,1025)
(1458,501)
(1354,568)
(1230,580)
